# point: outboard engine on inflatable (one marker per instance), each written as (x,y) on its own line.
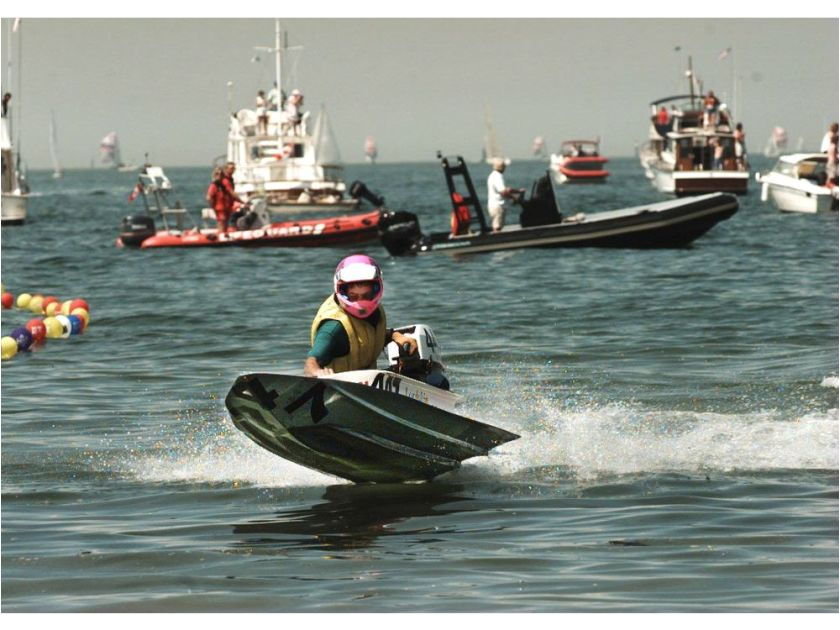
(541,208)
(426,365)
(399,232)
(359,191)
(136,228)
(253,216)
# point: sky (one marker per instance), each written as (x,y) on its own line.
(416,84)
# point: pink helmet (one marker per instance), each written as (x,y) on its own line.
(358,268)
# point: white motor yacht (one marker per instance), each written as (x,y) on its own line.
(798,184)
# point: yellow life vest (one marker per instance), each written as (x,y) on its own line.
(366,341)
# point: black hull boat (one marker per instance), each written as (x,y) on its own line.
(667,224)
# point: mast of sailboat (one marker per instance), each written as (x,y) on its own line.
(691,83)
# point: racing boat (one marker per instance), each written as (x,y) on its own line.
(579,162)
(674,223)
(252,227)
(382,426)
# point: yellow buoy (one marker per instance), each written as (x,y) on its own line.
(65,307)
(9,347)
(54,328)
(53,309)
(35,304)
(80,312)
(23,300)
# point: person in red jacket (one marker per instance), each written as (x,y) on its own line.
(221,195)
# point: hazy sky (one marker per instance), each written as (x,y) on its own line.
(417,85)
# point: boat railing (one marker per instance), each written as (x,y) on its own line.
(246,123)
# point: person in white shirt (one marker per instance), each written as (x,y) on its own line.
(826,141)
(497,192)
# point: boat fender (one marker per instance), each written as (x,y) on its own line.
(460,221)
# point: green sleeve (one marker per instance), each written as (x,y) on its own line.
(331,342)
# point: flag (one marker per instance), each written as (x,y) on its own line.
(15,25)
(724,54)
(134,192)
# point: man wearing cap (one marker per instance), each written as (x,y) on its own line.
(293,114)
(497,192)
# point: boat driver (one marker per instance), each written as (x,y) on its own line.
(350,330)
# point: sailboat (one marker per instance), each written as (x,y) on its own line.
(370,150)
(109,154)
(14,188)
(58,172)
(538,148)
(492,150)
(279,159)
(776,143)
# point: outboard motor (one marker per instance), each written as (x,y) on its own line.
(254,216)
(399,232)
(426,365)
(541,208)
(136,228)
(359,191)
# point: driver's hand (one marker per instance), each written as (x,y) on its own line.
(402,339)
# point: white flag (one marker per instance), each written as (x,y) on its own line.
(724,54)
(15,25)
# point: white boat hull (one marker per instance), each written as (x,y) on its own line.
(788,199)
(14,208)
(403,385)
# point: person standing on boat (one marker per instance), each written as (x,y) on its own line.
(497,192)
(274,98)
(824,145)
(831,167)
(740,146)
(262,113)
(6,98)
(710,107)
(717,146)
(350,329)
(293,111)
(221,195)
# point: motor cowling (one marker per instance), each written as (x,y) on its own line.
(399,232)
(136,228)
(358,190)
(426,364)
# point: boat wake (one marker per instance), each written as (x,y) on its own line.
(218,453)
(619,439)
(586,442)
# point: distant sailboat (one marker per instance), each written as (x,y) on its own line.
(58,172)
(492,150)
(370,149)
(538,148)
(776,143)
(109,154)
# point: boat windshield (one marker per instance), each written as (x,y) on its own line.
(813,169)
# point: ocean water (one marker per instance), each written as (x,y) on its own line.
(678,412)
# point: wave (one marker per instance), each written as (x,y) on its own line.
(584,443)
(618,439)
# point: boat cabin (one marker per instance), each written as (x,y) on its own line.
(579,148)
(811,167)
